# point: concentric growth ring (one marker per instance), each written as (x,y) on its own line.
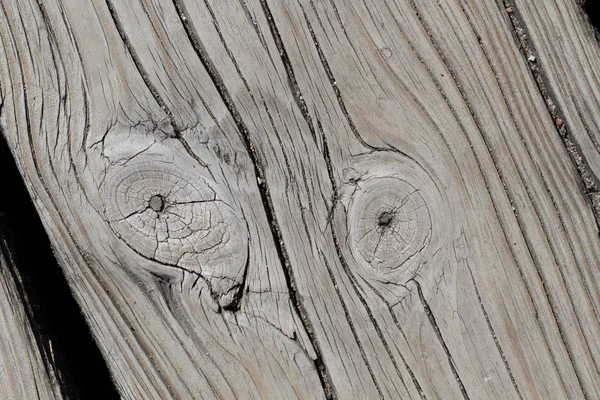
(389,224)
(177,219)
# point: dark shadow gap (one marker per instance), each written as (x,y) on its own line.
(51,308)
(591,8)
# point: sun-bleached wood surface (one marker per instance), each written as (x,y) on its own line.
(24,372)
(308,198)
(564,47)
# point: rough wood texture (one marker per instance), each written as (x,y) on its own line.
(562,48)
(23,372)
(306,199)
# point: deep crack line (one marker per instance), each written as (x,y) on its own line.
(494,336)
(440,338)
(151,87)
(285,59)
(590,184)
(218,82)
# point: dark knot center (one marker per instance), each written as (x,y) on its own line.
(157,203)
(385,218)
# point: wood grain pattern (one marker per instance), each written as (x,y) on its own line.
(562,48)
(23,372)
(306,199)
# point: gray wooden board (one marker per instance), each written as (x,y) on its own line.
(563,51)
(23,372)
(307,199)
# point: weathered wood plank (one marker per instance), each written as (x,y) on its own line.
(165,319)
(546,235)
(563,51)
(306,199)
(23,372)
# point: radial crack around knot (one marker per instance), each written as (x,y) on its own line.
(176,220)
(389,226)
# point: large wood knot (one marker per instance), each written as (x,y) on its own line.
(178,220)
(388,227)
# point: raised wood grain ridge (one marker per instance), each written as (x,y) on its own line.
(306,199)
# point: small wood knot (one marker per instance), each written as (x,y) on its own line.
(176,219)
(389,226)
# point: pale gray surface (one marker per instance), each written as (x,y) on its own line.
(377,186)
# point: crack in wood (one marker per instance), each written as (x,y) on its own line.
(590,183)
(324,375)
(493,334)
(292,82)
(440,338)
(141,251)
(389,227)
(176,219)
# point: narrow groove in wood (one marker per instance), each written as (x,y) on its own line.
(493,334)
(238,289)
(327,157)
(288,166)
(55,42)
(292,82)
(336,90)
(588,131)
(227,49)
(589,182)
(528,245)
(534,203)
(440,338)
(352,280)
(410,371)
(324,376)
(153,90)
(251,20)
(286,160)
(136,60)
(352,328)
(399,326)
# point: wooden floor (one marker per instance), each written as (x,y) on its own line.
(314,199)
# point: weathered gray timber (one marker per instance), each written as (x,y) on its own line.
(315,198)
(565,47)
(23,372)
